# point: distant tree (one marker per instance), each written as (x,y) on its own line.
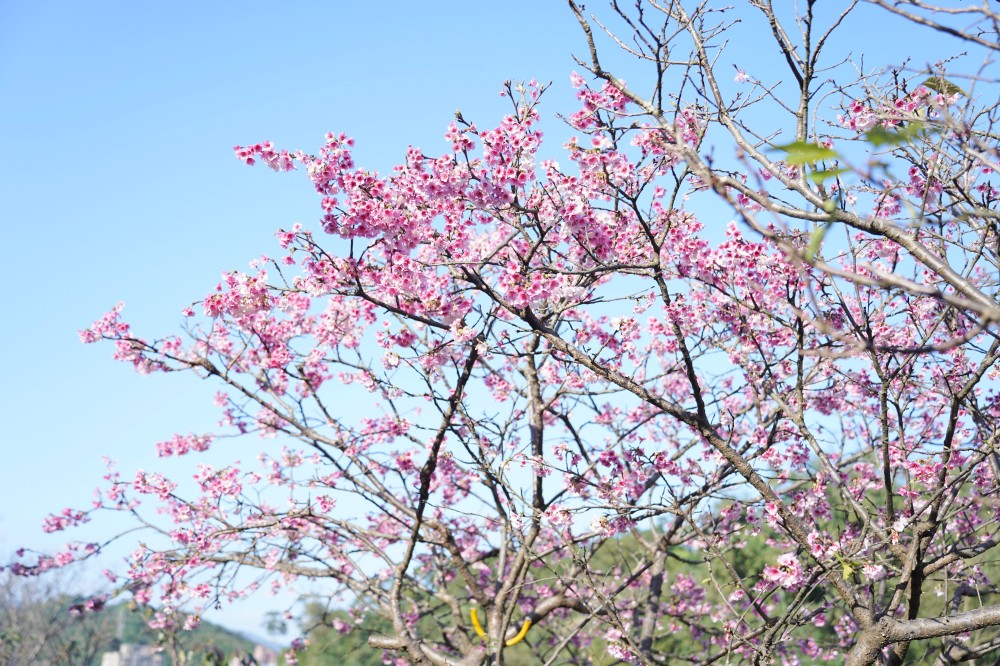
(601,422)
(41,625)
(183,638)
(336,637)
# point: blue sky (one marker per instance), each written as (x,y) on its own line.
(119,184)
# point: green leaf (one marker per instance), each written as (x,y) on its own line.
(815,240)
(939,84)
(879,136)
(820,176)
(803,152)
(848,567)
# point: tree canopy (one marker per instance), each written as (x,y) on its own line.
(714,381)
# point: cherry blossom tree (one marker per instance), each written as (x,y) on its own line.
(600,423)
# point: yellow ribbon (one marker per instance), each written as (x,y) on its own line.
(474,616)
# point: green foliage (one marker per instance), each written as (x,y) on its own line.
(203,644)
(822,175)
(815,241)
(80,640)
(329,646)
(799,153)
(41,631)
(879,136)
(627,553)
(939,84)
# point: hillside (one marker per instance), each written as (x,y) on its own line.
(41,630)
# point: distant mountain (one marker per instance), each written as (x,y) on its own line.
(206,640)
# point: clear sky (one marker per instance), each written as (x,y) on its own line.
(118,120)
